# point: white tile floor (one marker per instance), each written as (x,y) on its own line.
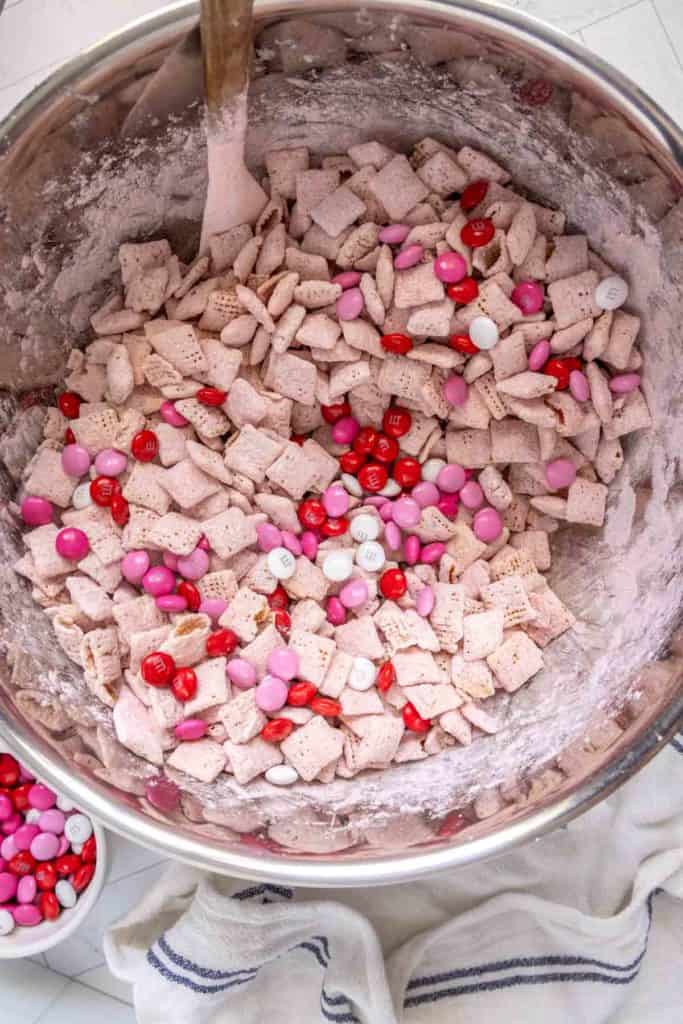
(72,985)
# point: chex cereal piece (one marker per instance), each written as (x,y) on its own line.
(244,404)
(573,298)
(514,441)
(222,308)
(553,618)
(315,654)
(108,576)
(479,165)
(101,662)
(144,487)
(48,480)
(201,759)
(481,719)
(272,252)
(469,447)
(308,614)
(252,452)
(354,703)
(348,376)
(314,186)
(473,678)
(248,760)
(510,595)
(186,484)
(431,320)
(143,642)
(374,153)
(292,471)
(137,257)
(622,336)
(398,188)
(316,295)
(326,465)
(482,634)
(455,724)
(225,247)
(632,415)
(380,736)
(568,258)
(359,638)
(229,532)
(447,616)
(397,629)
(209,462)
(223,363)
(475,576)
(212,687)
(609,459)
(307,581)
(337,675)
(292,377)
(242,718)
(283,165)
(179,345)
(337,211)
(510,561)
(318,330)
(464,546)
(415,666)
(136,728)
(515,661)
(521,233)
(221,584)
(417,287)
(535,544)
(186,643)
(432,700)
(509,356)
(403,377)
(176,533)
(361,243)
(527,385)
(442,175)
(312,747)
(91,598)
(94,430)
(586,502)
(363,336)
(257,652)
(473,413)
(207,421)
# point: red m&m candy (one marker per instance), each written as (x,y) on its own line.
(373,477)
(396,422)
(211,396)
(184,684)
(407,472)
(398,344)
(222,642)
(478,232)
(463,291)
(413,720)
(145,446)
(312,514)
(393,584)
(157,668)
(69,405)
(474,194)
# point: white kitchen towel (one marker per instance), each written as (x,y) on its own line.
(582,927)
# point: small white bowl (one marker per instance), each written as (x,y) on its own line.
(30,941)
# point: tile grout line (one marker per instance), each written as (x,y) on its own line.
(614,14)
(52,1002)
(92,988)
(132,874)
(679,57)
(30,74)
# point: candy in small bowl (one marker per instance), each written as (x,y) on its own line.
(52,863)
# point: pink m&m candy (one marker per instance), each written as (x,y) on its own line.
(11,824)
(8,887)
(170,561)
(471,495)
(448,505)
(432,552)
(394,234)
(354,593)
(27,915)
(72,543)
(336,500)
(41,797)
(111,462)
(283,663)
(171,603)
(455,390)
(8,848)
(24,836)
(292,543)
(347,279)
(409,257)
(425,601)
(158,580)
(335,612)
(191,729)
(26,889)
(75,460)
(52,821)
(411,550)
(450,267)
(269,537)
(350,304)
(36,511)
(392,536)
(194,565)
(579,386)
(406,513)
(45,846)
(560,473)
(309,544)
(487,525)
(345,430)
(6,808)
(386,511)
(451,478)
(170,415)
(271,693)
(162,794)
(624,383)
(529,296)
(425,493)
(213,607)
(539,355)
(242,673)
(134,565)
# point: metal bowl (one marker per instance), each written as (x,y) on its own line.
(331,74)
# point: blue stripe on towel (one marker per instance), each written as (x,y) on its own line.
(264,890)
(344,1015)
(677,744)
(179,979)
(193,968)
(514,980)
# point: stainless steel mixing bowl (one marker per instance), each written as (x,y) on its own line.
(330,74)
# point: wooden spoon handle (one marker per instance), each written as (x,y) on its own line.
(226,44)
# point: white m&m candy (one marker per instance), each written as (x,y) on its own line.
(370,556)
(66,894)
(364,527)
(390,489)
(81,496)
(611,293)
(432,468)
(484,332)
(282,775)
(338,566)
(362,675)
(281,563)
(351,485)
(78,828)
(6,922)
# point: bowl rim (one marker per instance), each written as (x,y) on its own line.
(415,862)
(48,934)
